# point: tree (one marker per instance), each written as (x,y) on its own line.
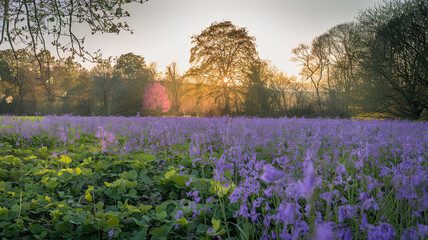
(39,19)
(81,94)
(20,84)
(103,84)
(314,63)
(346,50)
(284,88)
(130,76)
(155,98)
(219,56)
(397,60)
(173,76)
(258,96)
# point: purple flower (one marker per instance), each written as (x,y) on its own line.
(409,234)
(284,233)
(422,230)
(325,231)
(266,220)
(270,174)
(111,232)
(243,211)
(364,224)
(188,182)
(287,214)
(196,197)
(341,169)
(300,229)
(382,232)
(318,220)
(255,216)
(179,214)
(344,233)
(268,191)
(309,180)
(326,196)
(364,196)
(346,212)
(370,203)
(273,234)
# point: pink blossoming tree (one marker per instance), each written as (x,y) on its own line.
(155,98)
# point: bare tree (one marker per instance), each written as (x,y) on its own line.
(172,75)
(313,62)
(397,56)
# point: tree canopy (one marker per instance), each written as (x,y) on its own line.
(32,25)
(219,56)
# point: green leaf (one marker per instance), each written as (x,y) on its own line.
(161,207)
(122,187)
(162,215)
(216,223)
(140,234)
(202,228)
(133,174)
(88,197)
(146,157)
(169,174)
(219,189)
(159,231)
(145,208)
(100,206)
(181,221)
(52,183)
(113,221)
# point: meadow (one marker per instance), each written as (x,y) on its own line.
(73,177)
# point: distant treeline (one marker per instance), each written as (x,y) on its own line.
(376,66)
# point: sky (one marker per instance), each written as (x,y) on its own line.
(163,28)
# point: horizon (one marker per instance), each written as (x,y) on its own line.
(163,28)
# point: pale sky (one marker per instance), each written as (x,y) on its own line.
(162,28)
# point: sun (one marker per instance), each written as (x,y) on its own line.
(225,80)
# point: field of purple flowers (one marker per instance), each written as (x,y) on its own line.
(212,178)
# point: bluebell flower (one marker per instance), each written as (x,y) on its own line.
(243,211)
(409,234)
(341,169)
(309,180)
(364,224)
(370,203)
(111,232)
(268,191)
(179,214)
(423,230)
(270,174)
(382,232)
(325,231)
(346,212)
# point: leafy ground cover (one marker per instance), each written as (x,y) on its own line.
(210,178)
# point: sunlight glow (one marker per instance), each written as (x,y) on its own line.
(225,80)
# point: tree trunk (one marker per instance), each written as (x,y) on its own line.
(226,100)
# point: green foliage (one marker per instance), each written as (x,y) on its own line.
(84,194)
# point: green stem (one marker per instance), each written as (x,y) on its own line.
(224,215)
